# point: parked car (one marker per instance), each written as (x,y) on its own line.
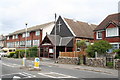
(3,53)
(0,56)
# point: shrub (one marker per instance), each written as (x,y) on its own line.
(110,64)
(11,54)
(99,46)
(118,53)
(32,52)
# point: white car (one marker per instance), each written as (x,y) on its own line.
(0,56)
(3,53)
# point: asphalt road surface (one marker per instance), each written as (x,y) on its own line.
(10,70)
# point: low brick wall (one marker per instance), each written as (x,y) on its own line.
(67,60)
(96,62)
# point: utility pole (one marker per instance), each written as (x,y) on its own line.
(55,36)
(24,58)
(25,38)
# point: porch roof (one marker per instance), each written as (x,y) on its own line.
(60,41)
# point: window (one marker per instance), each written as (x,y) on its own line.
(115,45)
(17,44)
(28,34)
(37,33)
(23,35)
(22,43)
(28,43)
(78,48)
(35,42)
(8,38)
(99,35)
(16,36)
(13,37)
(111,32)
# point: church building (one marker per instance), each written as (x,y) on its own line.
(68,33)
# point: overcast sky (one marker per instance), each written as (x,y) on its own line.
(15,13)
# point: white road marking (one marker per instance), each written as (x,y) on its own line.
(23,74)
(11,65)
(29,74)
(56,75)
(7,65)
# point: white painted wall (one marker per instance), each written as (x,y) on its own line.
(47,29)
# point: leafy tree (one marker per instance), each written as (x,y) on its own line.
(99,46)
(118,53)
(82,45)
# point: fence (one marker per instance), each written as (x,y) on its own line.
(71,54)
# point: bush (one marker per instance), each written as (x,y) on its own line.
(32,52)
(110,64)
(11,54)
(99,46)
(118,53)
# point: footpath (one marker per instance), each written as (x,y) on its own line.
(51,62)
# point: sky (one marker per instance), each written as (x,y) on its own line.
(15,13)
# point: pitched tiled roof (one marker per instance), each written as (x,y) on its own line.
(110,18)
(81,29)
(37,27)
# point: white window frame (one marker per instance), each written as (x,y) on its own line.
(37,33)
(8,38)
(23,35)
(13,37)
(16,36)
(97,34)
(118,44)
(117,32)
(28,34)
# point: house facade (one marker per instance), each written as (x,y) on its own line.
(68,33)
(109,30)
(2,41)
(34,36)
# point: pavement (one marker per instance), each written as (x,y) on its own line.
(51,62)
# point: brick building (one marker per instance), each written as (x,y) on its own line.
(2,41)
(34,35)
(68,33)
(109,30)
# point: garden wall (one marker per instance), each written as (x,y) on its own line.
(96,62)
(67,60)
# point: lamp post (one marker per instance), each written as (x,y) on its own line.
(55,36)
(25,38)
(24,59)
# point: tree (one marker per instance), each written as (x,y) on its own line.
(82,45)
(99,46)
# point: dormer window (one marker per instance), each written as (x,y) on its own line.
(16,36)
(28,34)
(8,38)
(37,33)
(23,35)
(99,35)
(110,32)
(13,37)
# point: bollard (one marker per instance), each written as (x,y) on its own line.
(24,62)
(37,63)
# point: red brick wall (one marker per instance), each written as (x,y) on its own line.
(109,39)
(31,37)
(111,26)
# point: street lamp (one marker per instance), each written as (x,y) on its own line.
(55,37)
(24,59)
(25,38)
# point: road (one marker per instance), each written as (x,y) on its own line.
(11,69)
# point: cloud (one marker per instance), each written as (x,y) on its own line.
(14,13)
